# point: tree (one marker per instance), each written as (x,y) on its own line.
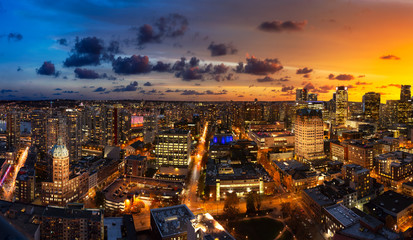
(201,184)
(231,205)
(100,199)
(257,199)
(250,203)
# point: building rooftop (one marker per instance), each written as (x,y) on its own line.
(393,202)
(210,227)
(175,131)
(60,212)
(172,220)
(401,157)
(113,225)
(342,214)
(317,196)
(357,231)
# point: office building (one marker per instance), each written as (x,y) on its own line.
(173,148)
(371,106)
(13,130)
(341,102)
(301,95)
(405,93)
(309,135)
(312,97)
(38,123)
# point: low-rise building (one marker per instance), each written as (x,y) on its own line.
(394,168)
(135,165)
(171,223)
(407,189)
(71,223)
(337,217)
(397,205)
(296,176)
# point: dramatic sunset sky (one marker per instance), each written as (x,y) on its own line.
(133,49)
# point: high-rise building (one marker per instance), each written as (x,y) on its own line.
(301,95)
(341,105)
(309,135)
(13,130)
(254,111)
(405,106)
(405,93)
(390,110)
(38,123)
(62,189)
(371,106)
(173,148)
(74,134)
(312,97)
(55,128)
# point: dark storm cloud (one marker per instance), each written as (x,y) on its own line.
(83,73)
(323,89)
(279,26)
(222,77)
(161,67)
(14,37)
(341,77)
(47,69)
(266,79)
(270,79)
(207,92)
(70,92)
(220,69)
(87,51)
(100,89)
(191,92)
(193,73)
(221,49)
(174,25)
(192,70)
(287,88)
(304,70)
(3,91)
(114,47)
(147,84)
(259,67)
(389,57)
(132,65)
(133,86)
(62,41)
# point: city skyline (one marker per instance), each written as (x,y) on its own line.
(283,45)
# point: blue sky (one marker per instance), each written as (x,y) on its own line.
(350,39)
